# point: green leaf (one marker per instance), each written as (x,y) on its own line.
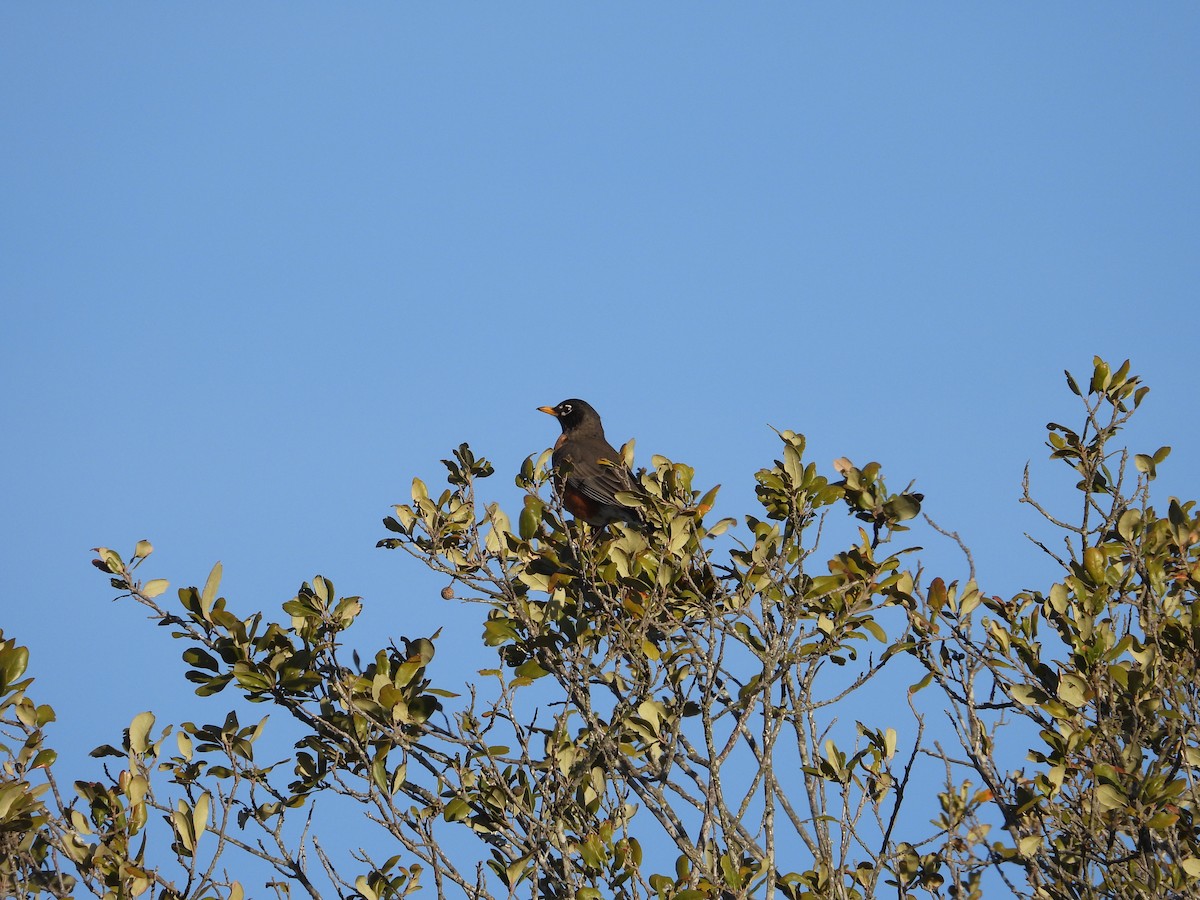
(1162,820)
(214,685)
(1108,797)
(398,777)
(456,810)
(1121,374)
(876,630)
(1100,376)
(531,670)
(421,708)
(922,684)
(200,658)
(903,507)
(45,758)
(729,868)
(531,518)
(13,662)
(252,680)
(515,873)
(1129,524)
(421,650)
(1094,563)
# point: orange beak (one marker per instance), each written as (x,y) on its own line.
(548,410)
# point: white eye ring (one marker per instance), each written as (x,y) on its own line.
(566,409)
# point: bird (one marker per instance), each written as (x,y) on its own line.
(588,470)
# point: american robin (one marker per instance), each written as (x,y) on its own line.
(587,486)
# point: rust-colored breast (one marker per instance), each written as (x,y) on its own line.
(580,506)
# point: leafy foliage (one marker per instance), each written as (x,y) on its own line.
(674,685)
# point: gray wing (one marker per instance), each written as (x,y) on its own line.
(598,482)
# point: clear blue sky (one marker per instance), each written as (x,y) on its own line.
(261,264)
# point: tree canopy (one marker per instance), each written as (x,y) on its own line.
(663,712)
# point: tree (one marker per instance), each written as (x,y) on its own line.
(661,716)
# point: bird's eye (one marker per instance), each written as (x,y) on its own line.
(565,409)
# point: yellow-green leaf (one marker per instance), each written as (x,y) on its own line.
(139,730)
(922,684)
(876,630)
(364,887)
(1059,598)
(419,491)
(1072,690)
(1108,797)
(200,815)
(183,827)
(137,788)
(152,589)
(1026,694)
(209,595)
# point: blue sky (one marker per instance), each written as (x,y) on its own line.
(261,264)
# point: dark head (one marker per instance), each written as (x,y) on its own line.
(574,415)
